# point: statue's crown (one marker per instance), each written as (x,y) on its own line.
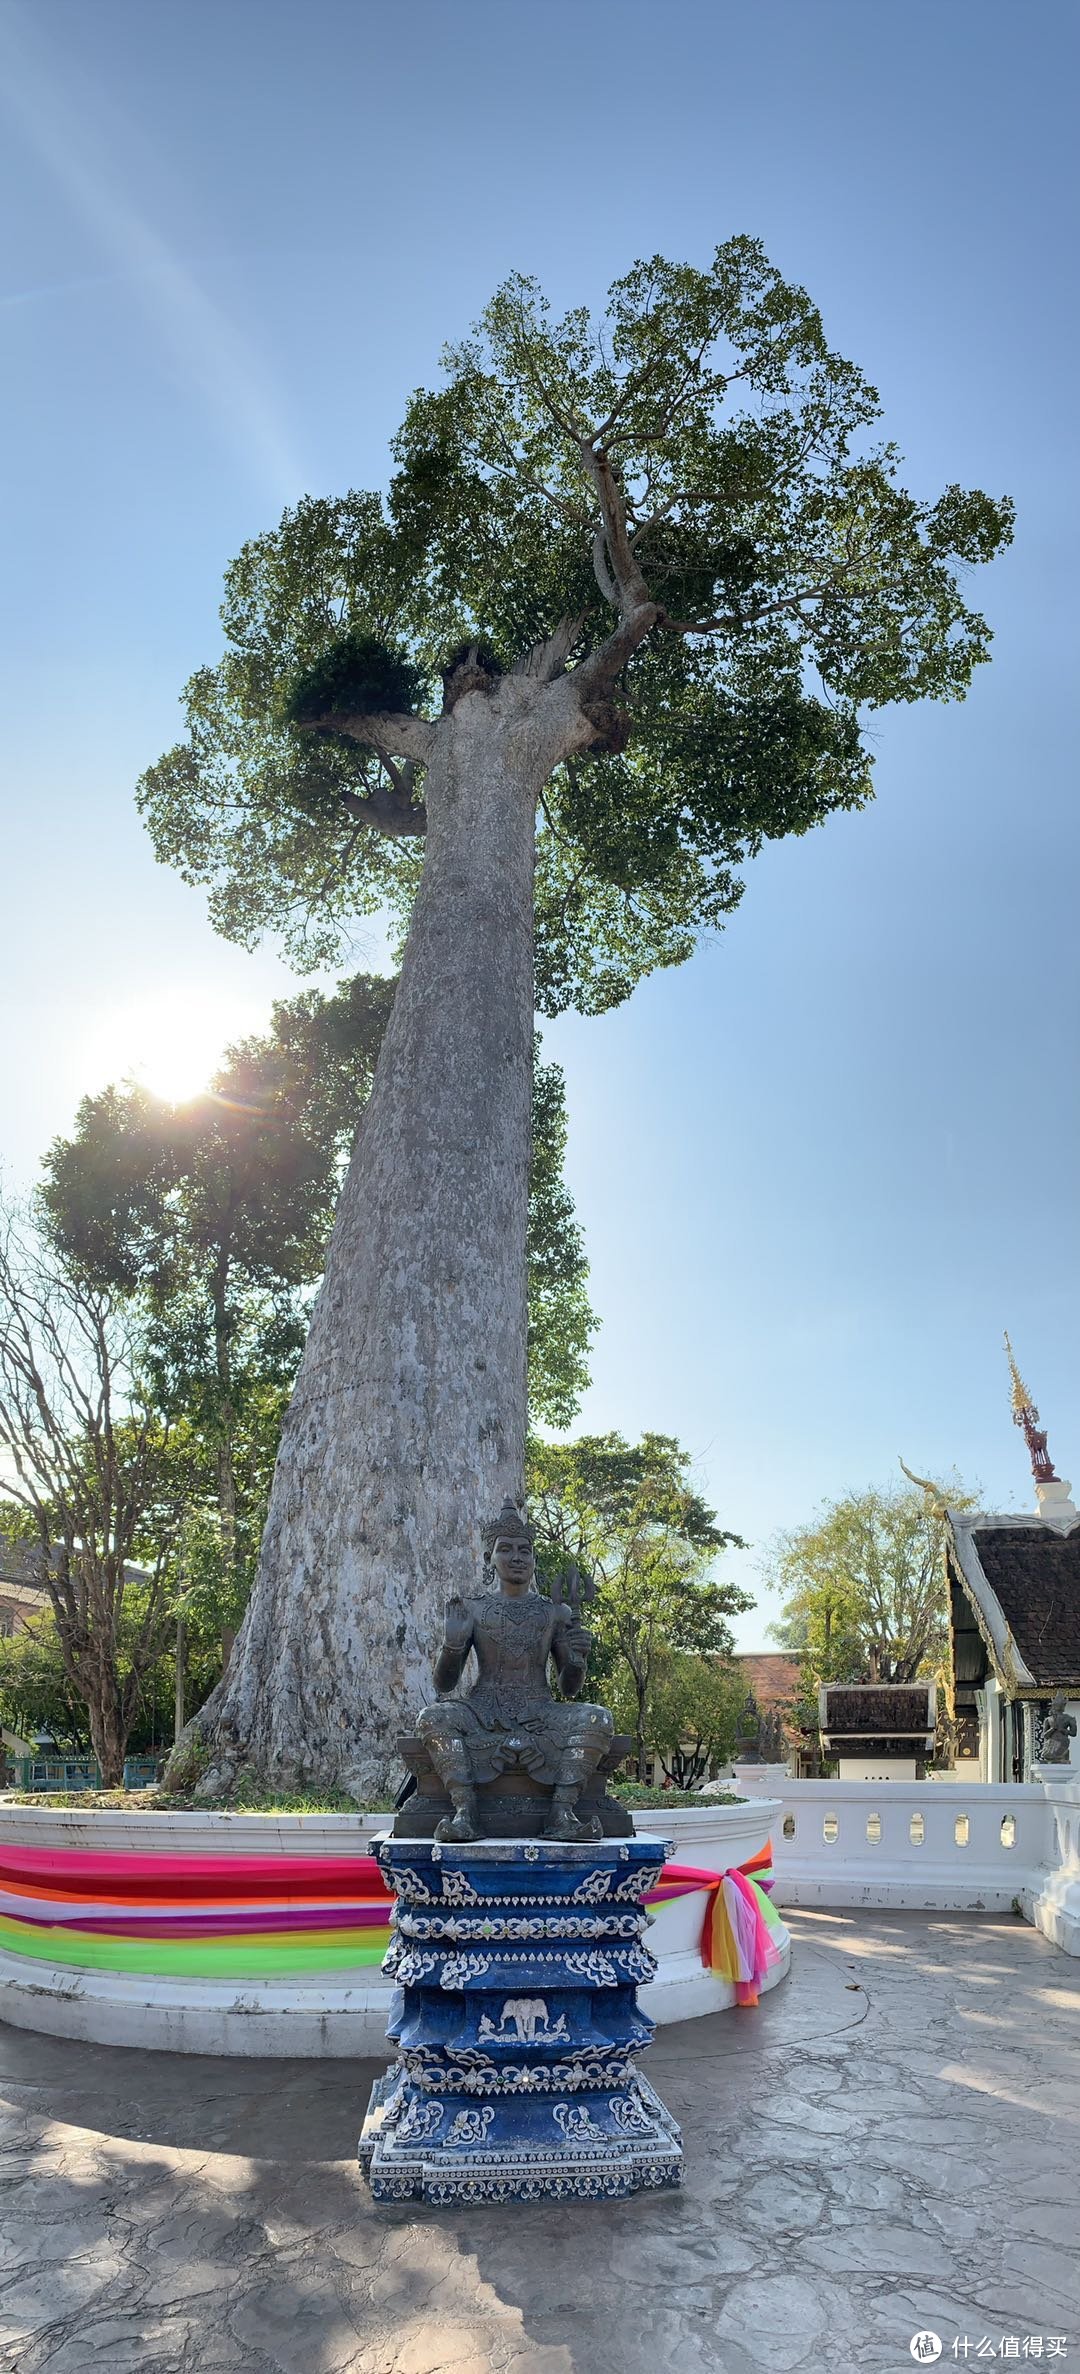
(511,1519)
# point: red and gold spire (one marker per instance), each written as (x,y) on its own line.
(1026,1416)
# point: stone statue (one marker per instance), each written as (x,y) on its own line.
(507,1739)
(772,1744)
(1058,1729)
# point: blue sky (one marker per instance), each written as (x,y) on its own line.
(822,1166)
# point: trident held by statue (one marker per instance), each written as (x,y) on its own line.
(581,1587)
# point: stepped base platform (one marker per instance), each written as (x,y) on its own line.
(517,2025)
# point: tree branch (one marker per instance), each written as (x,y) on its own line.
(387,811)
(601,572)
(599,671)
(397,735)
(632,589)
(547,659)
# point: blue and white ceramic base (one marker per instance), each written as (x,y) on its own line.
(517,2025)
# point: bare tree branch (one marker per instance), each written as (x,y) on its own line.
(393,736)
(387,810)
(632,589)
(603,665)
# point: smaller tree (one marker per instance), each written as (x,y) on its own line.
(696,1704)
(864,1587)
(629,1513)
(36,1693)
(98,1473)
(216,1214)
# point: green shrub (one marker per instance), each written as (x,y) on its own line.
(357,676)
(635,1795)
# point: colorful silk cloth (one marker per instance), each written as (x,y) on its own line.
(741,1926)
(287,1916)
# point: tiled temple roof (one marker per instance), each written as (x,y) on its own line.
(1022,1577)
(885,1707)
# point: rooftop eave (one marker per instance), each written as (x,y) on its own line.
(1000,1640)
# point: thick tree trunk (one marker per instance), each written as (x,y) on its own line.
(226,1460)
(181,1663)
(407,1425)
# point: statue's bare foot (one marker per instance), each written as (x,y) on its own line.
(457,1829)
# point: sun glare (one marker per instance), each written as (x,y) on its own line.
(172,1043)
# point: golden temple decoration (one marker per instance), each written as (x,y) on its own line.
(1026,1416)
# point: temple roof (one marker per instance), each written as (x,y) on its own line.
(21,1562)
(894,1716)
(23,1565)
(1022,1578)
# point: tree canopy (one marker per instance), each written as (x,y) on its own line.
(686,503)
(864,1587)
(218,1210)
(629,1515)
(696,1707)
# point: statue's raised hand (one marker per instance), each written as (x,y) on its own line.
(457,1622)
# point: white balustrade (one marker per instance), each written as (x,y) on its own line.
(1056,1901)
(976,1846)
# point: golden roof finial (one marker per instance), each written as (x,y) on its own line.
(1026,1416)
(1021,1398)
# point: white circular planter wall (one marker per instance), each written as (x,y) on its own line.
(331,2012)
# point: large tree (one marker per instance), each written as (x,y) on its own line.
(213,1217)
(865,1596)
(645,580)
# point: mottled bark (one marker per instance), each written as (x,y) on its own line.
(226,1421)
(407,1425)
(109,1726)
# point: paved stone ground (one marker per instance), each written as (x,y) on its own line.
(889,2144)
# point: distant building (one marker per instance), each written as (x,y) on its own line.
(774,1678)
(879,1730)
(23,1596)
(1014,1616)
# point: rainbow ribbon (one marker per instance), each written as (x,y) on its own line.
(740,1922)
(277,1916)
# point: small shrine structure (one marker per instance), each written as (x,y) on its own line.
(879,1731)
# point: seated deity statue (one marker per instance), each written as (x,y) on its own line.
(509,1721)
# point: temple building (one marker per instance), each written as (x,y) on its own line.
(878,1730)
(1014,1615)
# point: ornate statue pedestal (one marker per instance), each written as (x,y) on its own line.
(517,2025)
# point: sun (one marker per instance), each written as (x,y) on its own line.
(171,1041)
